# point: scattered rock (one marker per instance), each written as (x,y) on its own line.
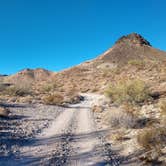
(74,100)
(4,112)
(97,109)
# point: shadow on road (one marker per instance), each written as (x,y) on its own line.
(15,105)
(59,158)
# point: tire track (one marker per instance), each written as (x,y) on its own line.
(52,145)
(90,147)
(72,139)
(110,158)
(21,128)
(61,156)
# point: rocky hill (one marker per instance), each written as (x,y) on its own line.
(132,56)
(132,47)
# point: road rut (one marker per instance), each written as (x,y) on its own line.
(72,139)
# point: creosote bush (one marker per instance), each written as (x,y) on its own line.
(130,91)
(53,99)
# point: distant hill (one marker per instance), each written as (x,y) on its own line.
(29,75)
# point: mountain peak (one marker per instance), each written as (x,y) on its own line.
(133,38)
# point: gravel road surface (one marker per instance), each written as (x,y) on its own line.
(54,136)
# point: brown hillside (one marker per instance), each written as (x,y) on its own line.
(132,47)
(131,56)
(30,75)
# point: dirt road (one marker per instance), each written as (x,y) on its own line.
(71,138)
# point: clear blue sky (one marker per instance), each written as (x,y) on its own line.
(56,34)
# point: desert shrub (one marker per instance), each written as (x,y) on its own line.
(152,140)
(149,122)
(17,91)
(48,87)
(131,91)
(138,63)
(53,99)
(120,118)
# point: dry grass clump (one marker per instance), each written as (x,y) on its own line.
(130,91)
(53,99)
(152,140)
(120,118)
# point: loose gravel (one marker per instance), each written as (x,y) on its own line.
(23,124)
(54,136)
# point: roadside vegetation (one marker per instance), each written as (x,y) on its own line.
(62,99)
(152,140)
(120,118)
(15,90)
(128,115)
(53,99)
(128,91)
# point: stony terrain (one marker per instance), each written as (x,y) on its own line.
(50,135)
(23,123)
(122,111)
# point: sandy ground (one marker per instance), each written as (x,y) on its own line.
(57,136)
